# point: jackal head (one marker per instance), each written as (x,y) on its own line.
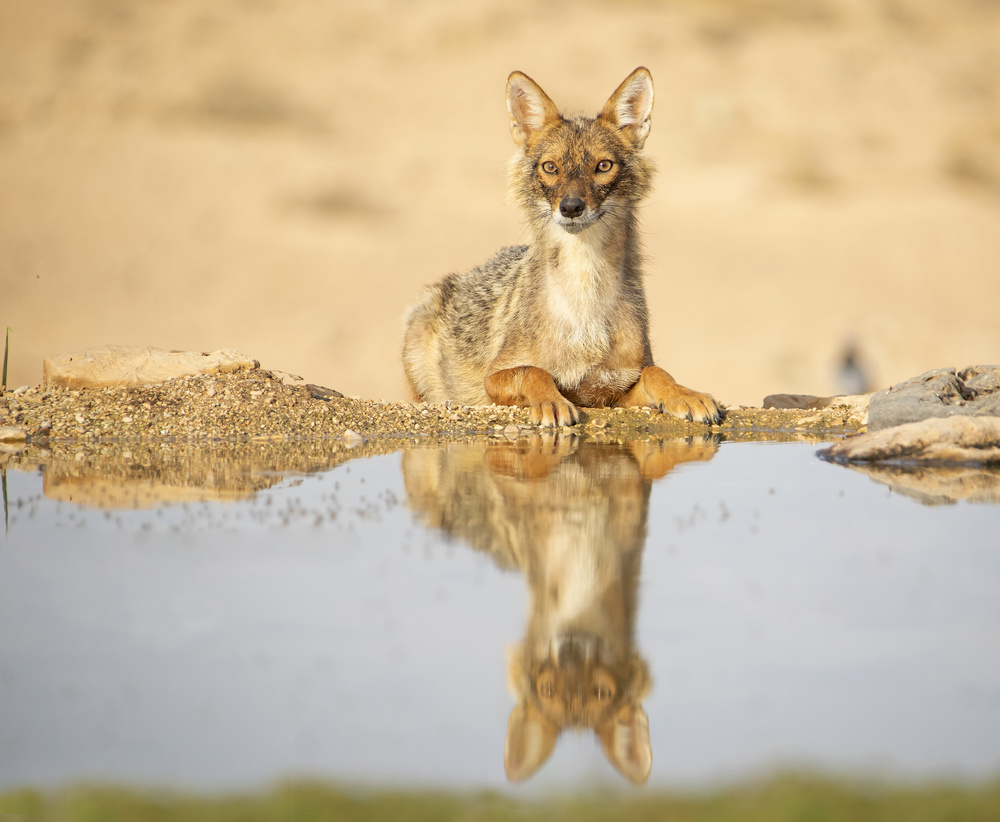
(577,680)
(580,171)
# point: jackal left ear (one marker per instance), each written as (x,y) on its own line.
(630,107)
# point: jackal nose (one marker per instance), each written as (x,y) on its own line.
(571,207)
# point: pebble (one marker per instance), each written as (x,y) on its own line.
(13,433)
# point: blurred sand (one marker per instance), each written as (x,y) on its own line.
(283,177)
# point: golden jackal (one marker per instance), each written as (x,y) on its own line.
(560,322)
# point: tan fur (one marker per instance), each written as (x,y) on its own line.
(561,322)
(571,517)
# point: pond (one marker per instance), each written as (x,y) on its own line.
(539,614)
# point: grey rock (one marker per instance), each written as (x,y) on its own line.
(972,392)
(854,402)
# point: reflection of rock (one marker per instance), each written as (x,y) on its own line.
(133,494)
(571,517)
(935,461)
(974,391)
(111,365)
(939,484)
(144,475)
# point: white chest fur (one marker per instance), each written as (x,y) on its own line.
(582,292)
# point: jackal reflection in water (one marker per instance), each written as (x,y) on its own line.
(571,517)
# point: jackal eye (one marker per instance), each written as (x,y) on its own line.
(549,167)
(605,166)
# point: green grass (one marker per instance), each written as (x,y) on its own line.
(779,799)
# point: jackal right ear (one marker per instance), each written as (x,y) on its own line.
(528,106)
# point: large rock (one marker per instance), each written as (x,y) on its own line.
(968,440)
(971,392)
(856,403)
(111,365)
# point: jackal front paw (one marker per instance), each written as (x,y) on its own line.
(554,413)
(690,405)
(528,385)
(657,389)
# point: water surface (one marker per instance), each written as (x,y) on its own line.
(704,611)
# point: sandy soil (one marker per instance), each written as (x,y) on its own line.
(282,177)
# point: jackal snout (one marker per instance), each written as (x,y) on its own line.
(572,207)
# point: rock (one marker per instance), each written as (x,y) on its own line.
(959,439)
(973,392)
(318,392)
(120,365)
(854,402)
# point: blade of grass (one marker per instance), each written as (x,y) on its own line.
(3,378)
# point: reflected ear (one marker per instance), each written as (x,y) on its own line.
(530,740)
(630,107)
(625,740)
(528,106)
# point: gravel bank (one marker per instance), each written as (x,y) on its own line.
(258,406)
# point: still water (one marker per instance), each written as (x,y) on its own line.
(544,613)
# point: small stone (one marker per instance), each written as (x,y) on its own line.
(13,433)
(352,439)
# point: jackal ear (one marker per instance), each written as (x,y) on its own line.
(530,739)
(528,106)
(625,740)
(630,107)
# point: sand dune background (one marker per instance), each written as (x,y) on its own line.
(282,176)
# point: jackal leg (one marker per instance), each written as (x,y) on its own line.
(657,389)
(534,388)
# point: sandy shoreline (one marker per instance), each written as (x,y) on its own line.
(257,406)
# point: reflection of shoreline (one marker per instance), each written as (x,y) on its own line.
(936,485)
(571,517)
(145,475)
